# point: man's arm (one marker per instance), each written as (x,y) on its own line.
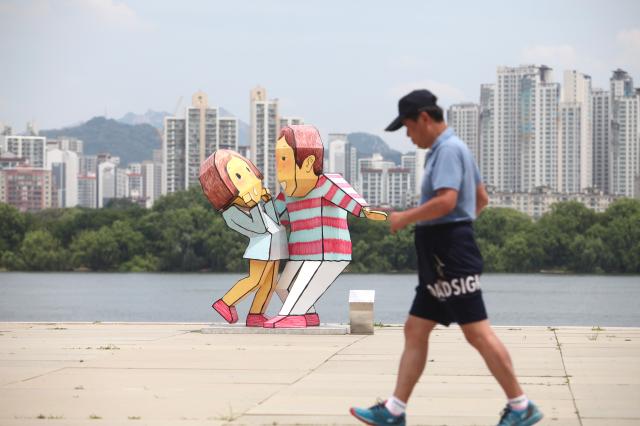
(482,198)
(440,205)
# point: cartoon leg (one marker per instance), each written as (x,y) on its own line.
(266,286)
(319,282)
(257,269)
(306,272)
(285,281)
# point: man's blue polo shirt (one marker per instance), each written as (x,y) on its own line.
(450,164)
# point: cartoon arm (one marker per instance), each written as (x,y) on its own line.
(340,193)
(242,223)
(281,209)
(270,209)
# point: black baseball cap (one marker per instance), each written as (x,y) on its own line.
(411,104)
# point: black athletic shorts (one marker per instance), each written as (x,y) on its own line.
(449,268)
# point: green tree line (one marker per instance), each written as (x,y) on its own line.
(182,232)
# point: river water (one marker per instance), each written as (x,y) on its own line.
(512,299)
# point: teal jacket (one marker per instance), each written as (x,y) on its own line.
(267,236)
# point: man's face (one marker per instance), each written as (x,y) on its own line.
(418,131)
(295,181)
(286,166)
(248,184)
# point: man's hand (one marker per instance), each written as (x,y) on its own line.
(374,215)
(398,221)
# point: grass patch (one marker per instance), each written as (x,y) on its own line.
(228,417)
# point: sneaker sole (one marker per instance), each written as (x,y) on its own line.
(533,420)
(353,413)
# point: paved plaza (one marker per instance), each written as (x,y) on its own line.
(174,374)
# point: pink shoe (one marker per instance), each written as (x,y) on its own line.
(313,320)
(288,321)
(228,312)
(256,320)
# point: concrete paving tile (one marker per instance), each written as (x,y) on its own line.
(172,375)
(600,421)
(153,378)
(15,371)
(284,419)
(602,366)
(425,388)
(214,402)
(420,420)
(479,405)
(34,421)
(214,357)
(618,391)
(609,408)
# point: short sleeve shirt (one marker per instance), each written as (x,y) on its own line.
(450,164)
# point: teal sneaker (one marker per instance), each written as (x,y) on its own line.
(377,415)
(527,417)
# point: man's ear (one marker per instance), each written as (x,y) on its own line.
(308,163)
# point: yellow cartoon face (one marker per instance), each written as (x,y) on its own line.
(285,166)
(248,184)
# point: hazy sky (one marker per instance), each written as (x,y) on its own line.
(341,65)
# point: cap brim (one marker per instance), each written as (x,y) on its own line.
(395,125)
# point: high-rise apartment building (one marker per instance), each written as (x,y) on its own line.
(601,140)
(408,161)
(464,118)
(265,126)
(173,154)
(87,191)
(188,141)
(26,188)
(158,177)
(66,144)
(31,148)
(64,166)
(227,133)
(342,156)
(487,160)
(575,144)
(106,182)
(399,187)
(88,164)
(373,179)
(290,121)
(525,129)
(202,136)
(625,135)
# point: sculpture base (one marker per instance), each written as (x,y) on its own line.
(322,329)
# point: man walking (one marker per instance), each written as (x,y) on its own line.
(449,264)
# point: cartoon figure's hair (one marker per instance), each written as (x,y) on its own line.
(305,141)
(215,181)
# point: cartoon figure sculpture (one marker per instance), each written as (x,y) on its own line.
(315,205)
(233,185)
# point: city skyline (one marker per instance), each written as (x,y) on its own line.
(358,58)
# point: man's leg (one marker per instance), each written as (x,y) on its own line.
(414,356)
(412,363)
(481,336)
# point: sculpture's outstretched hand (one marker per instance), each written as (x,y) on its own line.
(374,214)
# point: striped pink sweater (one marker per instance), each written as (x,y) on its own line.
(318,221)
